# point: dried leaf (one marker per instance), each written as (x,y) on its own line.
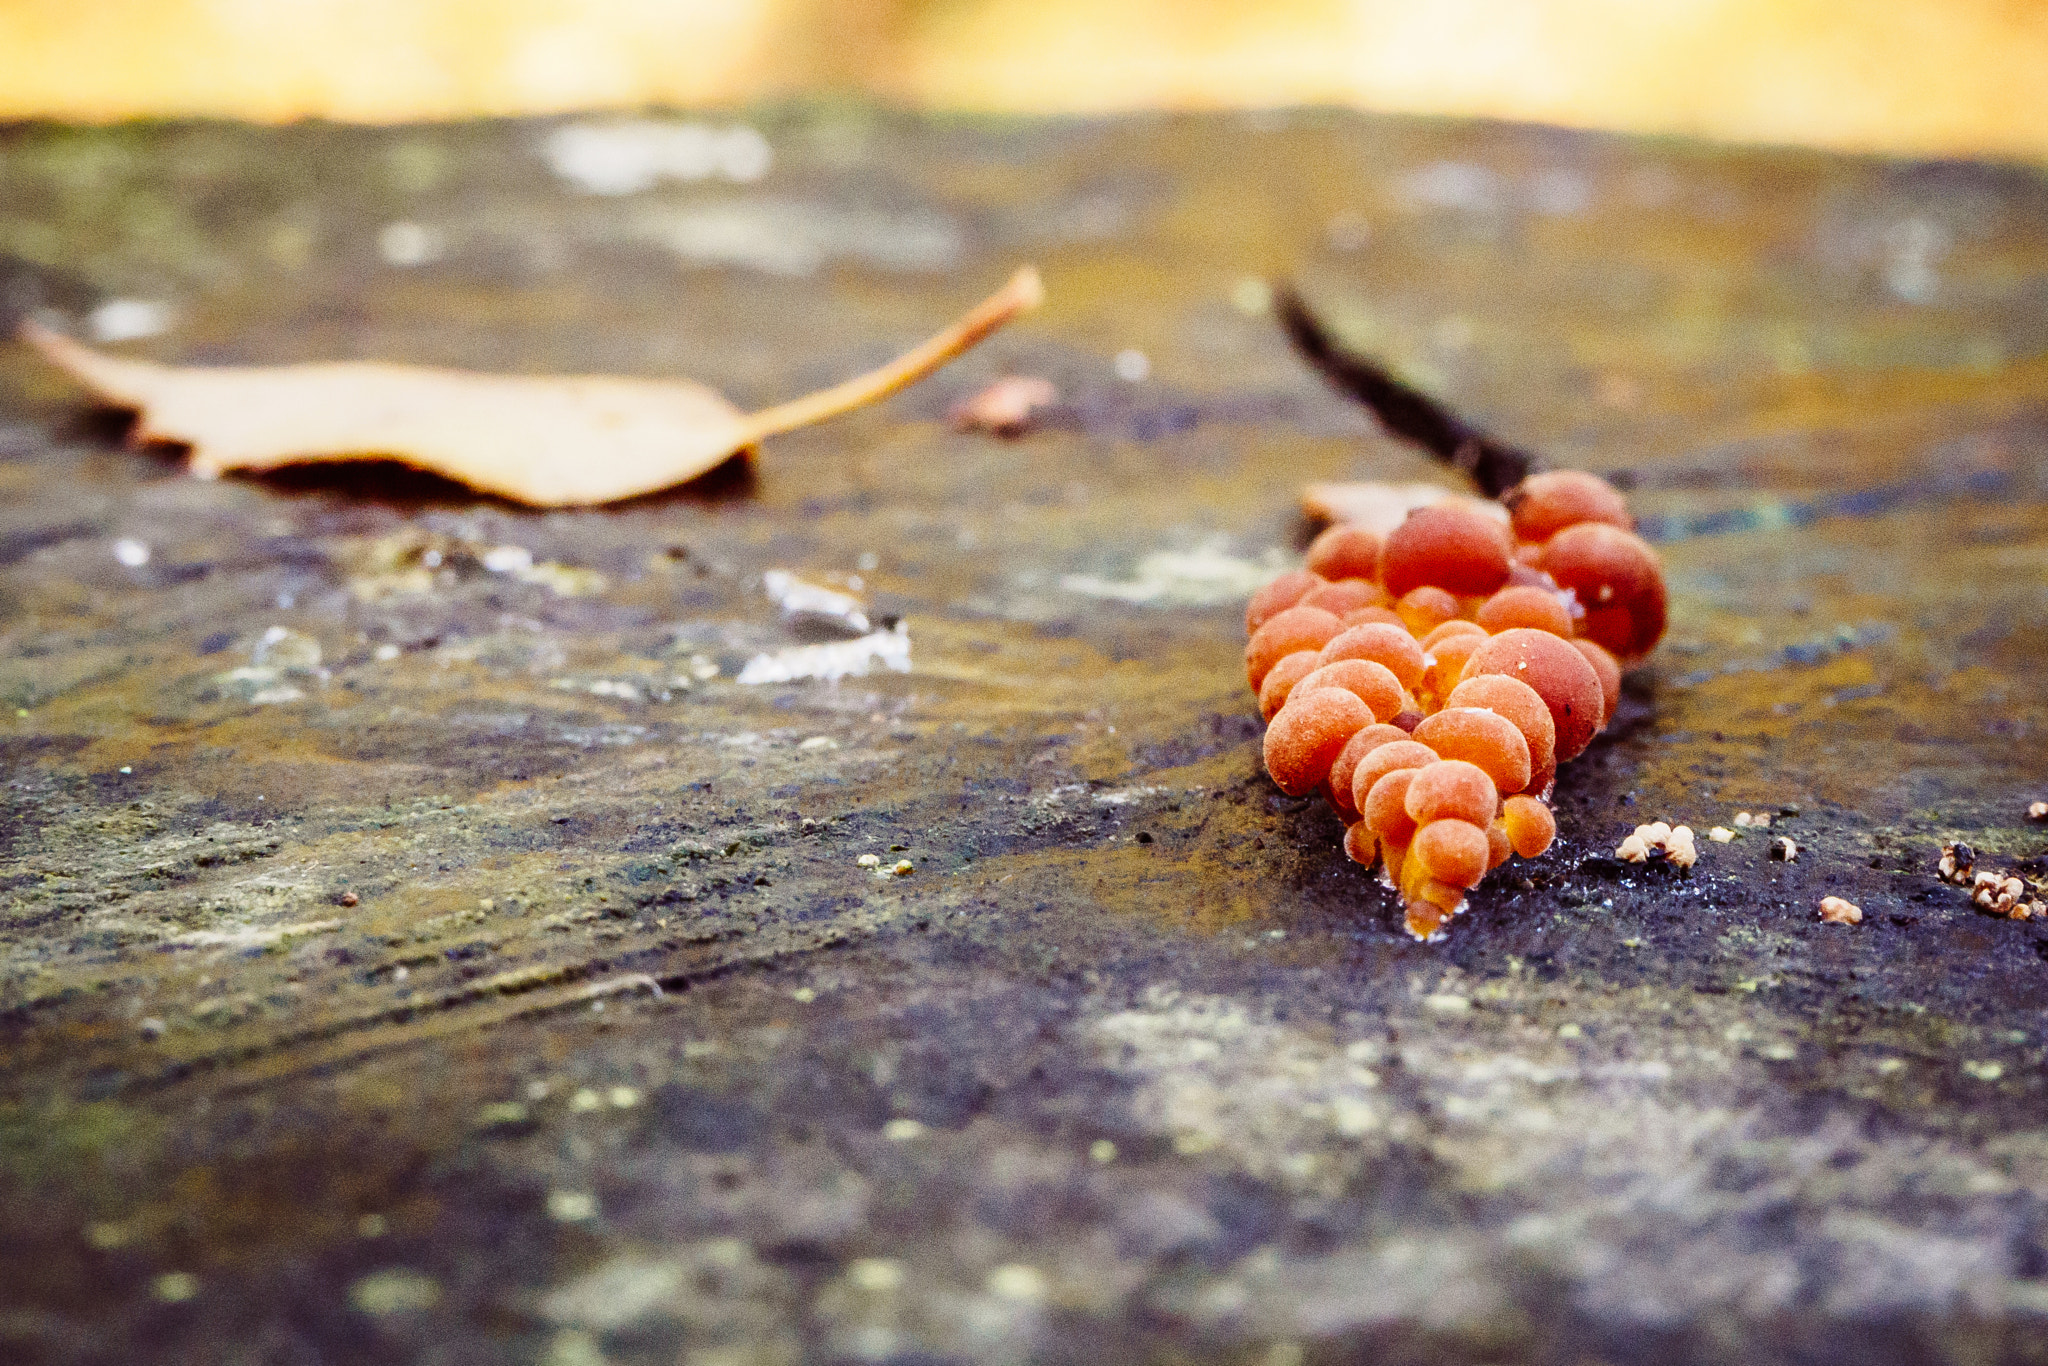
(1380,507)
(552,441)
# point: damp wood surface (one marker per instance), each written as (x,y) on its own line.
(416,943)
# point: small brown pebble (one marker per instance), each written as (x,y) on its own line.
(1957,862)
(348,898)
(1005,408)
(1784,850)
(1836,911)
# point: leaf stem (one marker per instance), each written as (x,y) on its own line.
(1023,292)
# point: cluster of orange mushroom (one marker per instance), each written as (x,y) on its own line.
(1430,682)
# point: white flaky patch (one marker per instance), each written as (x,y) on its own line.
(1199,577)
(633,155)
(119,320)
(834,660)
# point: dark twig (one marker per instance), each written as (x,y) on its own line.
(1406,412)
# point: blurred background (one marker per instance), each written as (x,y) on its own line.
(1940,77)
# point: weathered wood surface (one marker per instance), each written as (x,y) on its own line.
(1133,1065)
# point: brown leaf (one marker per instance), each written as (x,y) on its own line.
(552,441)
(1380,507)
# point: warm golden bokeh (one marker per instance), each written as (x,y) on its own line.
(1964,77)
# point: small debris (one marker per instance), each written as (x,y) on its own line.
(814,605)
(903,1130)
(347,899)
(1102,1151)
(1985,1070)
(876,1275)
(869,861)
(2037,811)
(1783,850)
(131,553)
(903,868)
(395,1290)
(1017,1282)
(119,320)
(2004,894)
(501,1114)
(1836,911)
(571,1207)
(1721,834)
(174,1287)
(1760,820)
(1957,861)
(108,1236)
(1005,408)
(1675,843)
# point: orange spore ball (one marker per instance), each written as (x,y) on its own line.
(1380,760)
(1452,851)
(1524,606)
(1347,595)
(1417,887)
(1452,789)
(1345,769)
(1424,609)
(1609,671)
(1382,643)
(1498,846)
(1373,682)
(1365,616)
(1618,581)
(1295,628)
(1344,551)
(1447,545)
(1281,678)
(1448,629)
(1393,855)
(1385,808)
(1308,734)
(1447,663)
(1559,674)
(1484,738)
(1530,825)
(1360,845)
(1544,504)
(1524,710)
(1423,919)
(1277,596)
